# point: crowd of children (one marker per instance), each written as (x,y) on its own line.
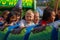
(31,22)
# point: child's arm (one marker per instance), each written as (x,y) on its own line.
(38,29)
(22,25)
(19,29)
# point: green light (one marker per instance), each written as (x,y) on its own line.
(27,3)
(8,2)
(3,3)
(12,3)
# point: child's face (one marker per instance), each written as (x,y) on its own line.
(5,15)
(29,17)
(13,18)
(36,17)
(52,18)
(18,17)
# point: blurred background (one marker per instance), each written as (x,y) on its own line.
(36,5)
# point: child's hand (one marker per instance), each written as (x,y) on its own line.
(6,24)
(22,27)
(38,29)
(12,24)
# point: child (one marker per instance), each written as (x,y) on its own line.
(12,18)
(3,20)
(48,17)
(55,29)
(36,17)
(29,17)
(5,14)
(17,30)
(36,21)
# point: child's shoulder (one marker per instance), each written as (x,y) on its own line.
(29,24)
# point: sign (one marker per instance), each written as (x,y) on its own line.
(8,2)
(27,3)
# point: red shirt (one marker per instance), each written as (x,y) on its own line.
(1,19)
(43,23)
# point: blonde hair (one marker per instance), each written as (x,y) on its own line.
(29,12)
(36,13)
